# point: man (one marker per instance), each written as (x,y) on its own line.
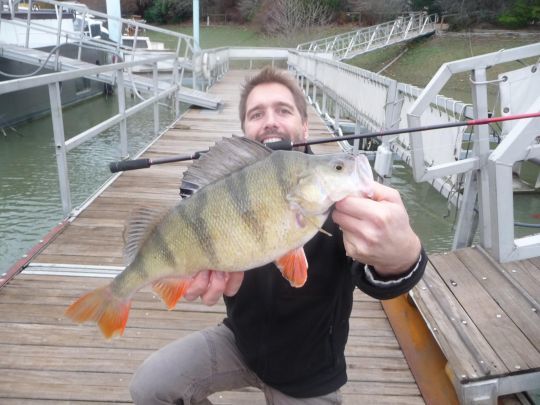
(288,342)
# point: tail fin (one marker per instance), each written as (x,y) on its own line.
(102,307)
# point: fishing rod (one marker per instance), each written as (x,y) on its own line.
(288,145)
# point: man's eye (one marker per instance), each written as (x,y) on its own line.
(255,116)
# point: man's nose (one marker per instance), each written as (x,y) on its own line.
(270,120)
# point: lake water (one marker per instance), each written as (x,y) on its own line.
(30,202)
(29,191)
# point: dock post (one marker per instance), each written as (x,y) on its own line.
(122,110)
(156,103)
(60,146)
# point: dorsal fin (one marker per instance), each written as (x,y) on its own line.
(225,157)
(141,223)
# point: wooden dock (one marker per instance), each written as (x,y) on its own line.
(45,358)
(485,317)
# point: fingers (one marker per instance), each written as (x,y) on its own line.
(233,284)
(377,231)
(215,289)
(385,193)
(211,285)
(198,286)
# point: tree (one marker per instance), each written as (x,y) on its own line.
(376,11)
(248,9)
(287,17)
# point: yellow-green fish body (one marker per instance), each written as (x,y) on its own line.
(240,219)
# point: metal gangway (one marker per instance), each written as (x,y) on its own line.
(350,44)
(67,32)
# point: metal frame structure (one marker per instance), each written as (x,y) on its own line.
(184,44)
(488,173)
(351,44)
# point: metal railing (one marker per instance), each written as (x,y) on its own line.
(62,147)
(488,172)
(66,31)
(213,63)
(377,102)
(351,44)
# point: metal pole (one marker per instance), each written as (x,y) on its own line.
(156,101)
(121,93)
(60,146)
(28,21)
(59,35)
(196,25)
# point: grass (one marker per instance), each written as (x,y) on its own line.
(245,35)
(425,56)
(417,66)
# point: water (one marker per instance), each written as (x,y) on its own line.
(30,204)
(29,191)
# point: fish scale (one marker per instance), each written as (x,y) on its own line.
(263,207)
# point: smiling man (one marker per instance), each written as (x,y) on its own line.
(289,342)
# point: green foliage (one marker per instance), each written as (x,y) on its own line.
(430,6)
(168,11)
(332,5)
(521,14)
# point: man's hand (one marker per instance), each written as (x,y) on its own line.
(211,285)
(377,232)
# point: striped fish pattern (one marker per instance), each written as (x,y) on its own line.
(249,207)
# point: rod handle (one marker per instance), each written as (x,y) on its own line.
(124,165)
(280,145)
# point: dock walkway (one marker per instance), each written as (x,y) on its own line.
(45,358)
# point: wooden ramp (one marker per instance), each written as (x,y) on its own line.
(44,358)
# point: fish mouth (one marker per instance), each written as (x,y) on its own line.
(364,175)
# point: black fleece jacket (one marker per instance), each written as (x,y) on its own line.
(294,338)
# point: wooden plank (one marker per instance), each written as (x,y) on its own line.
(526,275)
(469,354)
(514,349)
(510,299)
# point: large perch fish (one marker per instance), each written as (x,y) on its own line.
(252,206)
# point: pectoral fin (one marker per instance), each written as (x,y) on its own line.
(293,267)
(171,289)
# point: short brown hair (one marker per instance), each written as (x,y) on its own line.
(271,75)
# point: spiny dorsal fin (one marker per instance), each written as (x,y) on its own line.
(225,157)
(141,223)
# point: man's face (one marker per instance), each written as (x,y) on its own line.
(271,115)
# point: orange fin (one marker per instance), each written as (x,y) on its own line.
(293,267)
(101,306)
(171,289)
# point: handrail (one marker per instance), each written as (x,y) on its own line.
(489,172)
(53,80)
(351,44)
(437,159)
(184,42)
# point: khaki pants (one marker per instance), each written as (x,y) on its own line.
(188,370)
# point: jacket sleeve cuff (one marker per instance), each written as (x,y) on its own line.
(382,288)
